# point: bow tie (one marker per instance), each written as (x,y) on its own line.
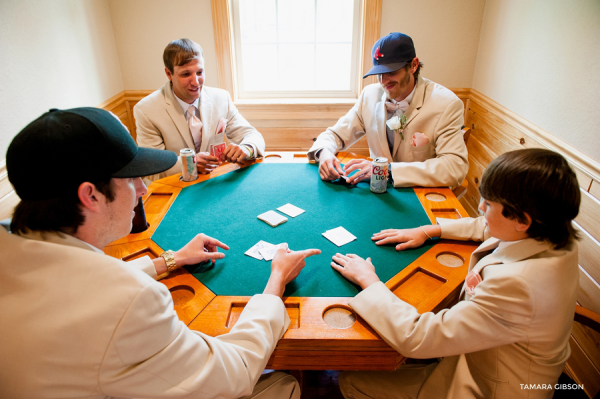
(393,105)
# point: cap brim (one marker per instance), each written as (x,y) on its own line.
(147,161)
(385,68)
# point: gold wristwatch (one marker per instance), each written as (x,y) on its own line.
(169,257)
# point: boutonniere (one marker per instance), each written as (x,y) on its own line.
(397,124)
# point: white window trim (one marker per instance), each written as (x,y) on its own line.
(222,25)
(352,92)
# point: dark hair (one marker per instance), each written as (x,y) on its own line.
(416,73)
(181,51)
(61,214)
(537,182)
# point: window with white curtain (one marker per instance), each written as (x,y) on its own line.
(296,48)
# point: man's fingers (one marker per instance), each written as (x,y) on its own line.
(214,256)
(339,260)
(406,245)
(387,231)
(331,171)
(310,252)
(217,243)
(353,162)
(337,267)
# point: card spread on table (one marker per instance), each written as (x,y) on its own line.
(254,251)
(272,218)
(217,149)
(339,236)
(263,250)
(291,210)
(268,252)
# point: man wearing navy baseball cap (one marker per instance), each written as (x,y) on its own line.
(413,122)
(80,324)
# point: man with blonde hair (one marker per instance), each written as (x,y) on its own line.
(185,113)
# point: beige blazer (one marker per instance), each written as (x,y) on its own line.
(434,111)
(513,330)
(80,324)
(160,123)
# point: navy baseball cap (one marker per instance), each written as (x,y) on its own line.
(391,53)
(64,148)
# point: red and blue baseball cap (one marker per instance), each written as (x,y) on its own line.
(391,53)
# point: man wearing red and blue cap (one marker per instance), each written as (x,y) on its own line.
(413,122)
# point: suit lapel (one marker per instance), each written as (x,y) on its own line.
(381,113)
(176,113)
(206,107)
(412,111)
(525,249)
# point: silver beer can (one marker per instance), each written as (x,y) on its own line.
(189,172)
(379,175)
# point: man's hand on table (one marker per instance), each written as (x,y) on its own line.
(329,166)
(356,269)
(206,163)
(235,153)
(363,166)
(200,249)
(286,266)
(407,238)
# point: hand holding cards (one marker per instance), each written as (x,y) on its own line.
(217,150)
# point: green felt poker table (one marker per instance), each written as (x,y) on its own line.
(325,333)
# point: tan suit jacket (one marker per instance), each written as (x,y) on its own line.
(434,111)
(160,123)
(76,323)
(513,330)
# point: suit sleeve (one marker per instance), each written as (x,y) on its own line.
(239,131)
(451,163)
(465,229)
(143,264)
(498,314)
(153,354)
(148,135)
(348,130)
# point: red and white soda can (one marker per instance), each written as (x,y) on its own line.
(379,175)
(189,172)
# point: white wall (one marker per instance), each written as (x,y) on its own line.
(53,54)
(541,59)
(143,28)
(445,33)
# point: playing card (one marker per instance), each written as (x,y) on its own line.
(217,149)
(254,251)
(272,218)
(339,236)
(268,252)
(290,210)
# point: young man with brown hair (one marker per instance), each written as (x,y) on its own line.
(185,113)
(511,329)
